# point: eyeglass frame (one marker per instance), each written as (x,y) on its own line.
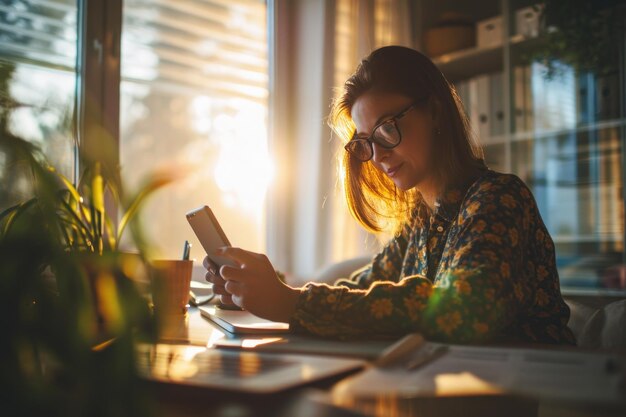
(370,141)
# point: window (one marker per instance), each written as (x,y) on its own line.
(38,48)
(194,98)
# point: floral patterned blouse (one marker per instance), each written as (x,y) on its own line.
(478,268)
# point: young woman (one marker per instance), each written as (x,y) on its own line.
(471,260)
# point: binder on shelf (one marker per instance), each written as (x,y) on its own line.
(585,99)
(472,90)
(518,99)
(529,116)
(496,105)
(607,97)
(483,107)
(462,89)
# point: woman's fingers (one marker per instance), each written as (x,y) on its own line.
(220,290)
(240,256)
(238,301)
(231,273)
(214,278)
(234,288)
(226,299)
(207,263)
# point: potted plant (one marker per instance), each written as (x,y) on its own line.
(70,309)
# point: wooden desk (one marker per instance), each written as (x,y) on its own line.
(174,400)
(318,399)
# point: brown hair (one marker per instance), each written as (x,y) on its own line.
(372,197)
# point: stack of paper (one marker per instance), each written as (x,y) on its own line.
(471,370)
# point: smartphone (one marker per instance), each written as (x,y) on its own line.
(210,233)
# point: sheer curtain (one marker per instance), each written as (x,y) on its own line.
(315,46)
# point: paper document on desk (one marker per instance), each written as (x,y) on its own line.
(471,370)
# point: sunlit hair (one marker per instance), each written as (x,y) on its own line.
(373,199)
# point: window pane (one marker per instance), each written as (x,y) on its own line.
(38,45)
(194,96)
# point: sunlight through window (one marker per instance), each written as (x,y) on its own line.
(194,98)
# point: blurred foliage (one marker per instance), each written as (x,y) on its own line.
(586,35)
(70,309)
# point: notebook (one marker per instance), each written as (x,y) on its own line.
(242,322)
(230,370)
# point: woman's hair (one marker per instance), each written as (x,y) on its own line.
(372,197)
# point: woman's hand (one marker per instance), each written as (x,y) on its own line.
(213,276)
(253,285)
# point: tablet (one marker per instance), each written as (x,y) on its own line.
(236,371)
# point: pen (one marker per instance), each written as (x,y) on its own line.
(430,354)
(399,349)
(186,250)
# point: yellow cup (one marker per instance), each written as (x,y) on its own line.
(171,280)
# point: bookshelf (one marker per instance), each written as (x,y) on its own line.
(563,135)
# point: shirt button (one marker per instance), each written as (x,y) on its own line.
(440,229)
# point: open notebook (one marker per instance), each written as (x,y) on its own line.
(242,322)
(232,370)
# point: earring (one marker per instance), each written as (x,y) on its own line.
(438,132)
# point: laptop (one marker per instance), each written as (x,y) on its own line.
(242,322)
(233,370)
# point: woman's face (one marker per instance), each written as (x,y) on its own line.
(409,163)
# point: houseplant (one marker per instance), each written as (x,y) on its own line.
(70,310)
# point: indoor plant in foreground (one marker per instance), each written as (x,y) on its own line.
(68,342)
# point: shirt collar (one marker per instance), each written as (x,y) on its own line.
(448,204)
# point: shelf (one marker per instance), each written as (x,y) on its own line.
(547,134)
(520,46)
(493,140)
(587,238)
(470,62)
(533,135)
(565,161)
(594,292)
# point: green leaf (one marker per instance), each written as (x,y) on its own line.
(8,211)
(151,186)
(69,186)
(82,228)
(14,214)
(76,231)
(110,233)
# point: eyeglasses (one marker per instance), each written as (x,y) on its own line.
(385,134)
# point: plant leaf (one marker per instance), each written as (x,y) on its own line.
(16,213)
(110,233)
(83,229)
(70,187)
(8,211)
(152,185)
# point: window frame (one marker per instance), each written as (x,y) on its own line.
(98,77)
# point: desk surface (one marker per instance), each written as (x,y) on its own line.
(319,399)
